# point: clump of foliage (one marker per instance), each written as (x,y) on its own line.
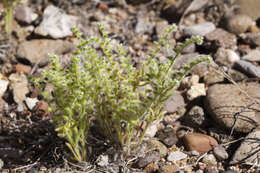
(102,82)
(9,8)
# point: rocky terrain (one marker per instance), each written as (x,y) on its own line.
(212,121)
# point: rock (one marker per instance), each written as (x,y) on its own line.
(151,168)
(3,86)
(226,57)
(149,157)
(20,68)
(102,160)
(41,108)
(1,164)
(220,153)
(248,68)
(161,27)
(209,159)
(196,91)
(56,23)
(213,77)
(143,25)
(158,146)
(38,51)
(167,136)
(200,29)
(19,86)
(222,38)
(200,69)
(236,75)
(152,130)
(251,38)
(191,48)
(226,104)
(31,102)
(184,59)
(199,142)
(175,156)
(211,169)
(188,81)
(195,117)
(169,169)
(248,151)
(239,23)
(174,103)
(25,14)
(253,55)
(249,7)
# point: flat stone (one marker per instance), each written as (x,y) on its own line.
(199,142)
(56,23)
(175,156)
(221,38)
(149,157)
(226,104)
(248,68)
(174,103)
(39,51)
(248,150)
(253,55)
(200,29)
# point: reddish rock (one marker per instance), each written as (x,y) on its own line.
(23,68)
(41,108)
(199,142)
(169,169)
(152,167)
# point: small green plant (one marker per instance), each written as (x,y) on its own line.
(9,8)
(102,82)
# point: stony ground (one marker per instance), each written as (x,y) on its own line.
(212,121)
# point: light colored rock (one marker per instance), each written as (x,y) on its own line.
(199,142)
(175,156)
(209,159)
(38,51)
(220,153)
(25,14)
(199,29)
(19,86)
(196,91)
(226,57)
(174,103)
(56,23)
(226,104)
(102,160)
(248,150)
(239,23)
(253,55)
(3,86)
(152,130)
(31,102)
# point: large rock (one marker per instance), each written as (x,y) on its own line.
(248,150)
(227,105)
(38,51)
(56,23)
(249,7)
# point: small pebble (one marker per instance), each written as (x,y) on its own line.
(175,156)
(210,159)
(220,152)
